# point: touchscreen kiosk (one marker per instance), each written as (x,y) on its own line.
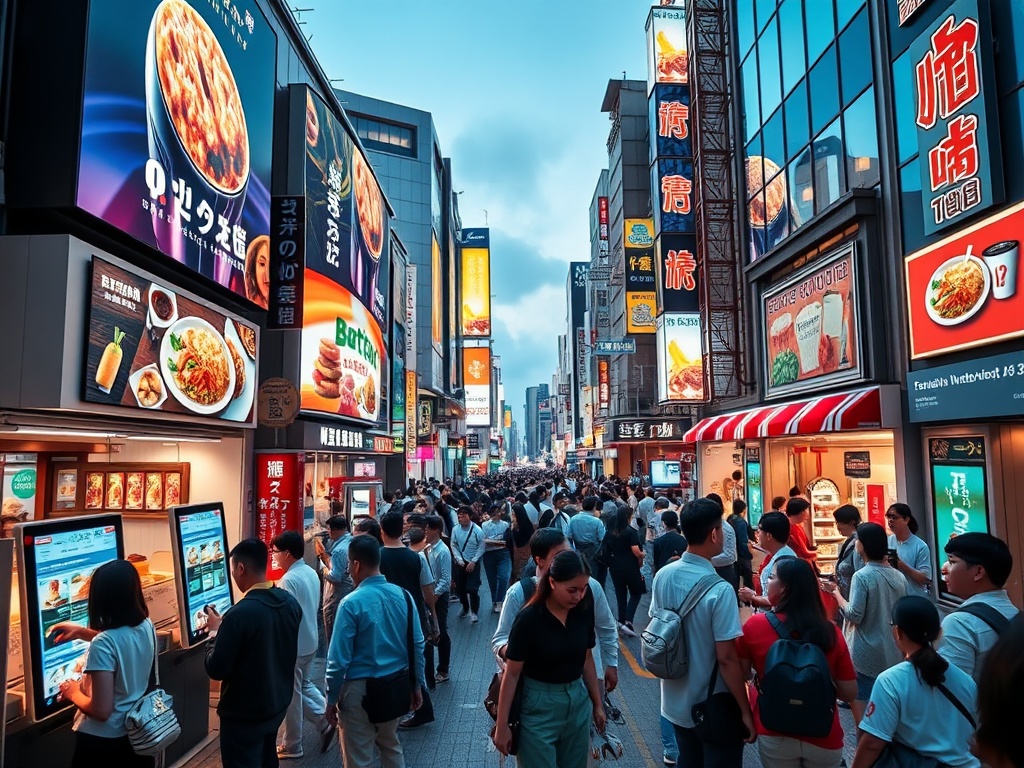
(664,474)
(58,559)
(200,542)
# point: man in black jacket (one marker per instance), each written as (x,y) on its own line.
(252,650)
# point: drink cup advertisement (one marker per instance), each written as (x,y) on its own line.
(964,291)
(811,326)
(177,132)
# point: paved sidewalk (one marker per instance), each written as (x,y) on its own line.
(458,738)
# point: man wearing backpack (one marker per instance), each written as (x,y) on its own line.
(977,566)
(709,630)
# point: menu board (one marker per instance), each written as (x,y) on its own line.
(200,542)
(157,349)
(135,488)
(59,558)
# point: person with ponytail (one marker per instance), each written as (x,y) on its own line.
(551,647)
(923,704)
(913,559)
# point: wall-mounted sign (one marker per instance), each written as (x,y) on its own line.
(410,317)
(175,162)
(476,373)
(678,273)
(279,496)
(680,345)
(286,251)
(410,413)
(473,440)
(857,464)
(961,171)
(603,387)
(988,387)
(615,347)
(667,60)
(277,403)
(647,429)
(670,120)
(907,8)
(811,333)
(673,185)
(476,282)
(602,225)
(424,417)
(962,292)
(155,348)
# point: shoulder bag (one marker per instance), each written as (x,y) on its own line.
(387,698)
(899,755)
(718,719)
(151,722)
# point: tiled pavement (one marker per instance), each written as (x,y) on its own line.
(458,737)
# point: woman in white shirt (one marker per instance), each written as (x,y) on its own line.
(118,663)
(497,560)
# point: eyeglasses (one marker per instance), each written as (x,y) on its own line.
(277,551)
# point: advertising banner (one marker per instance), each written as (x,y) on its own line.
(579,273)
(424,418)
(398,404)
(410,413)
(410,317)
(639,430)
(680,346)
(962,292)
(666,47)
(436,303)
(156,348)
(177,131)
(476,371)
(811,326)
(961,169)
(602,225)
(342,358)
(641,300)
(672,182)
(476,282)
(678,273)
(286,250)
(615,347)
(984,388)
(279,497)
(670,121)
(603,387)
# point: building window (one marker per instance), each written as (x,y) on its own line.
(382,136)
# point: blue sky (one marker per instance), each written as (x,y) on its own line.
(515,91)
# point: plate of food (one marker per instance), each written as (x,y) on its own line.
(197,366)
(244,364)
(148,387)
(957,290)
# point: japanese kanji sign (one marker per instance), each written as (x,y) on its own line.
(673,188)
(671,121)
(615,346)
(957,140)
(641,301)
(286,262)
(647,429)
(279,497)
(678,273)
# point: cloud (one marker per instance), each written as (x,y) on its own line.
(534,316)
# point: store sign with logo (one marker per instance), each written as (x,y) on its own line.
(602,225)
(476,282)
(988,387)
(678,273)
(279,497)
(959,145)
(642,430)
(603,387)
(410,413)
(641,298)
(425,417)
(615,347)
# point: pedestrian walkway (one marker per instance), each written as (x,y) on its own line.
(459,736)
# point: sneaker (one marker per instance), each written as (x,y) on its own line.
(626,628)
(441,677)
(283,755)
(413,721)
(453,598)
(473,618)
(496,608)
(668,760)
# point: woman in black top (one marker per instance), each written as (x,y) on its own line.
(626,558)
(550,648)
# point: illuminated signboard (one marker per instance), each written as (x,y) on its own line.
(602,224)
(436,304)
(680,344)
(678,273)
(476,282)
(667,59)
(476,371)
(641,299)
(603,387)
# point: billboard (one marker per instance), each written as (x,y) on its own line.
(667,60)
(177,132)
(678,273)
(436,302)
(602,225)
(670,121)
(981,388)
(579,272)
(962,291)
(603,387)
(476,282)
(680,345)
(811,336)
(641,300)
(672,182)
(476,372)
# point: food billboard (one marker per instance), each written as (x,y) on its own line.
(156,348)
(680,345)
(810,322)
(177,131)
(962,292)
(476,362)
(666,47)
(476,282)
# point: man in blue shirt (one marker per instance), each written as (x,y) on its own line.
(370,641)
(334,566)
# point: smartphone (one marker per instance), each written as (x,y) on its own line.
(892,557)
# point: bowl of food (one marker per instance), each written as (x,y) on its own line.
(197,366)
(163,306)
(148,387)
(957,290)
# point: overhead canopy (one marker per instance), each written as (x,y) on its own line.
(850,411)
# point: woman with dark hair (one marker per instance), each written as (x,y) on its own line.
(874,590)
(522,530)
(551,647)
(847,519)
(497,558)
(913,558)
(626,557)
(120,655)
(997,742)
(532,506)
(912,698)
(794,596)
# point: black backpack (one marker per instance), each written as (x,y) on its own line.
(796,694)
(987,614)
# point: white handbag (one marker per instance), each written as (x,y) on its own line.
(151,722)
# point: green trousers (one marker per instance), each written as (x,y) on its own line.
(555,730)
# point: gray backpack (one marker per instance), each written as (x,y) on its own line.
(663,641)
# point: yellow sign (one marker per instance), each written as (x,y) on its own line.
(476,292)
(410,413)
(640,309)
(436,313)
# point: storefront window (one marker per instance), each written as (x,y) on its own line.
(829,167)
(824,93)
(855,57)
(797,133)
(820,28)
(862,141)
(768,54)
(745,24)
(794,63)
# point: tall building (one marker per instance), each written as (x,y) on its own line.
(531,420)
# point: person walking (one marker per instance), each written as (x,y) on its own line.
(711,629)
(913,558)
(623,546)
(522,530)
(670,545)
(333,559)
(849,561)
(308,703)
(467,550)
(497,560)
(118,663)
(252,651)
(586,531)
(793,592)
(874,590)
(439,559)
(371,642)
(551,648)
(912,697)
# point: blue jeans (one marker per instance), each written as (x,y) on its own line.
(498,566)
(669,745)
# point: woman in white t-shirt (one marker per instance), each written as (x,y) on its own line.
(117,667)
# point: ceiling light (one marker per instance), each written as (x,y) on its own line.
(173,440)
(44,432)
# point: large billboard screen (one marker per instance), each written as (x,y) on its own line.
(476,363)
(476,282)
(177,131)
(680,345)
(436,291)
(667,60)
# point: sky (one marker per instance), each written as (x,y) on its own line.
(515,90)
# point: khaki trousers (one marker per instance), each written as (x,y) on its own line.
(359,735)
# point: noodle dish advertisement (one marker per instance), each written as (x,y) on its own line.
(177,132)
(155,348)
(963,291)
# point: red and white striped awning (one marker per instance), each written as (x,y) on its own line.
(845,412)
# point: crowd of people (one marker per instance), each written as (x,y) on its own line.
(750,602)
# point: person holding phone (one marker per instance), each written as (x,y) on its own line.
(907,551)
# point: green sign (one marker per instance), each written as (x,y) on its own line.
(959,499)
(755,503)
(23,484)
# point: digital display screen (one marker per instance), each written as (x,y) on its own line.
(199,538)
(59,559)
(664,473)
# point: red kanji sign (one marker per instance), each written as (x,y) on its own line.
(947,75)
(679,267)
(675,194)
(955,157)
(673,120)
